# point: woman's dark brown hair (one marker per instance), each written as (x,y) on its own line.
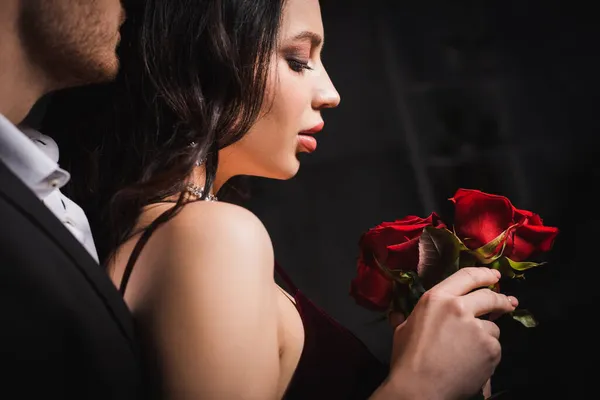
(191,71)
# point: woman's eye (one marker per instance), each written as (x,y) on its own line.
(297,65)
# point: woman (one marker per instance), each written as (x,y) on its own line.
(210,90)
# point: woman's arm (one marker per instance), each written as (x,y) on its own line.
(212,305)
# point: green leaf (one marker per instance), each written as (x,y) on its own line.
(405,300)
(522,265)
(395,275)
(401,300)
(461,244)
(525,318)
(439,251)
(385,270)
(400,303)
(406,278)
(513,269)
(416,290)
(504,265)
(467,259)
(488,253)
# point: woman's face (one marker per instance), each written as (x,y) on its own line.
(298,89)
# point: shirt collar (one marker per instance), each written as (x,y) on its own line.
(32,165)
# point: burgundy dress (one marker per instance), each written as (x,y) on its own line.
(334,363)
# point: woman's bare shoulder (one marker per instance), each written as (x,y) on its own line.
(212,299)
(216,235)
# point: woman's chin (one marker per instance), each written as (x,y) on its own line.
(286,172)
(293,169)
(276,169)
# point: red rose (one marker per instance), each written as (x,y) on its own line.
(481,217)
(396,246)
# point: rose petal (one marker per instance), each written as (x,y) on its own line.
(535,220)
(404,256)
(408,220)
(481,217)
(371,289)
(377,241)
(394,245)
(526,217)
(432,219)
(530,240)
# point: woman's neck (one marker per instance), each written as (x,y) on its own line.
(198,178)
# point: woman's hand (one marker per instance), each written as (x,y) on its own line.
(443,350)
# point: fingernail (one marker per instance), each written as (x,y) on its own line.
(497,273)
(513,301)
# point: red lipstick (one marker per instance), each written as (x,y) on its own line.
(314,129)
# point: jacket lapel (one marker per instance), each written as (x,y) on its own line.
(27,203)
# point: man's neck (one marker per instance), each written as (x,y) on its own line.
(21,82)
(17,94)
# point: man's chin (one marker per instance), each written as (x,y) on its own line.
(100,72)
(110,70)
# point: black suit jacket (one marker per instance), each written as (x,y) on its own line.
(65,331)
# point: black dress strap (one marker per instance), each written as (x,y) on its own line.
(139,246)
(286,278)
(146,236)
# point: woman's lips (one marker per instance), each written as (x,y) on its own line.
(314,129)
(306,140)
(307,143)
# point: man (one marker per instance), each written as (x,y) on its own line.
(66,332)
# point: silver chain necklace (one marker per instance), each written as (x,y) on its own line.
(198,191)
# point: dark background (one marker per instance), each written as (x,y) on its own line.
(496,96)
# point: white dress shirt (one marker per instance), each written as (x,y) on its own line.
(33,158)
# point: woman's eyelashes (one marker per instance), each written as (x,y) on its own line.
(298,65)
